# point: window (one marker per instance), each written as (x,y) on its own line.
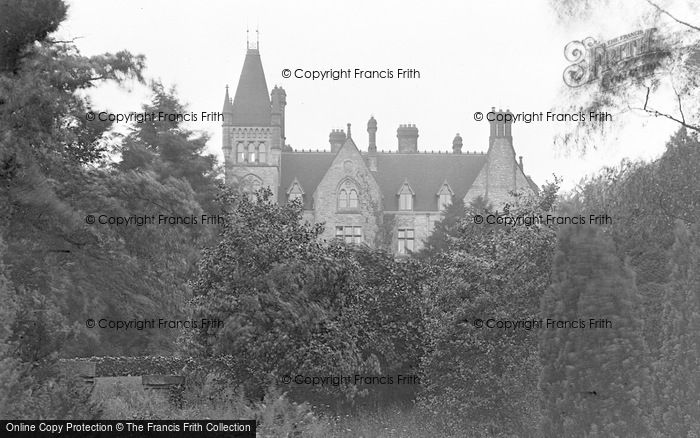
(295,191)
(293,196)
(241,153)
(251,184)
(444,196)
(444,201)
(251,152)
(348,197)
(405,197)
(262,153)
(352,203)
(406,240)
(350,234)
(343,199)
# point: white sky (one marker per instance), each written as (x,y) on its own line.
(471,56)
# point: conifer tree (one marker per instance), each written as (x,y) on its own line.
(593,380)
(678,369)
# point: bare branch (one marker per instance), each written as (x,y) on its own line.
(646,100)
(665,12)
(668,116)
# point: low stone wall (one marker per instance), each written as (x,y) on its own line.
(171,386)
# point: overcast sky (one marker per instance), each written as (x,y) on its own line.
(471,56)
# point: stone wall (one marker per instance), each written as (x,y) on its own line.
(349,164)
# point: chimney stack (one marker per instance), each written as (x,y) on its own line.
(336,139)
(408,138)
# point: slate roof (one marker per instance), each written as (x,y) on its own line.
(425,174)
(251,104)
(308,168)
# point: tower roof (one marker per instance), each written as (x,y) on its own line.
(251,104)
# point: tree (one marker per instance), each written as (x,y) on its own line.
(594,380)
(54,173)
(165,147)
(445,230)
(678,367)
(662,82)
(287,301)
(479,379)
(644,200)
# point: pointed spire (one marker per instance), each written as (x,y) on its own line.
(228,106)
(251,104)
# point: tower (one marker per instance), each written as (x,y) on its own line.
(501,173)
(253,128)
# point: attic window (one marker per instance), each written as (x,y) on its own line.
(295,192)
(405,197)
(444,196)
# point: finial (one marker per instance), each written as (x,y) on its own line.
(348,130)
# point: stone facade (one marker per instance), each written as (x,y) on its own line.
(390,199)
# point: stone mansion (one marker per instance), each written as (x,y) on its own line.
(362,195)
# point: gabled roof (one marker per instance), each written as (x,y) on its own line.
(295,183)
(251,105)
(425,174)
(308,168)
(405,185)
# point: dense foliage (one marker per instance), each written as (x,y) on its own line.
(594,378)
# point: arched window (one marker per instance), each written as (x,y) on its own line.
(262,153)
(348,195)
(251,152)
(251,184)
(241,152)
(352,201)
(342,199)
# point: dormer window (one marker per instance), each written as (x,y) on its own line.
(444,196)
(405,197)
(295,191)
